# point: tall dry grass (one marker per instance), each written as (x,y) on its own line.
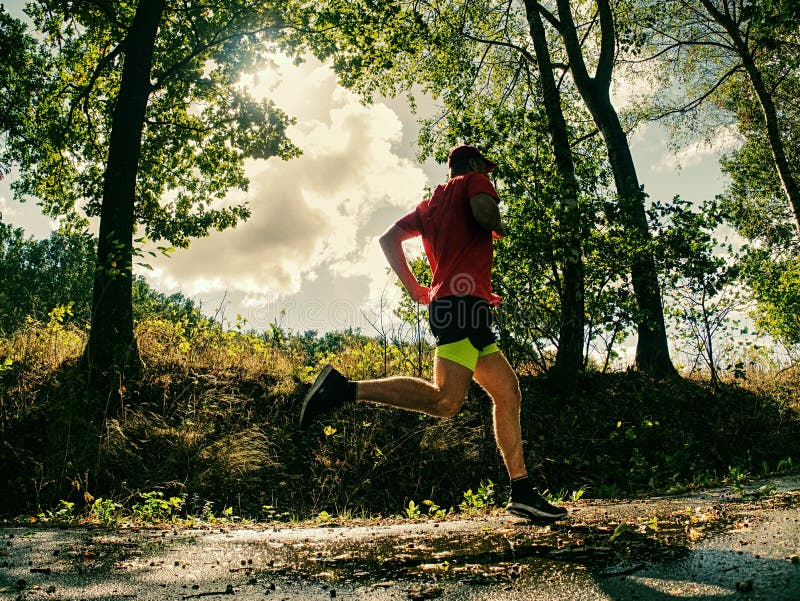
(214,417)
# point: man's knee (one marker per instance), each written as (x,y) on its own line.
(509,398)
(450,403)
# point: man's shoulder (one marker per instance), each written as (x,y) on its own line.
(454,185)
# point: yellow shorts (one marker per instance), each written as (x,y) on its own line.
(464,353)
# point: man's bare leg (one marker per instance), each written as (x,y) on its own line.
(497,377)
(441,398)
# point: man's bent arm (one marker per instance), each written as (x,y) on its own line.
(487,213)
(392,246)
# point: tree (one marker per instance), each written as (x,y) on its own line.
(39,275)
(19,77)
(762,58)
(705,298)
(476,59)
(736,62)
(652,351)
(741,55)
(569,359)
(755,205)
(141,122)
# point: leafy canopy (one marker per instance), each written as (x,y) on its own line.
(200,126)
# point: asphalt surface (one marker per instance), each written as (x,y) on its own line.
(714,545)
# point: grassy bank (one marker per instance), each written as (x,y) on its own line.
(213,423)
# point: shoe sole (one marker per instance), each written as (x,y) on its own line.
(531,513)
(310,394)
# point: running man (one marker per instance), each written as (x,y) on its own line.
(457,225)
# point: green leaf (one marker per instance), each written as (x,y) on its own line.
(621,529)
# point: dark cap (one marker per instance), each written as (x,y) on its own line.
(465,152)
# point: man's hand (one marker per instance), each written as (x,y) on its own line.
(500,232)
(420,294)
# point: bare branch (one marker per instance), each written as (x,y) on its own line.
(523,51)
(86,90)
(690,106)
(605,63)
(549,17)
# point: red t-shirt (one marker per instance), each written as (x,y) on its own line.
(459,250)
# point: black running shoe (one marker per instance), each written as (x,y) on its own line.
(329,392)
(530,504)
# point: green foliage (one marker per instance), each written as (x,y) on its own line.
(216,412)
(620,530)
(701,279)
(200,124)
(20,78)
(754,201)
(271,514)
(434,511)
(324,517)
(737,478)
(776,284)
(774,23)
(738,66)
(374,46)
(62,515)
(42,275)
(39,275)
(106,511)
(148,303)
(755,205)
(412,510)
(153,508)
(479,500)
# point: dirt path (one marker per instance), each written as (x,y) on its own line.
(711,545)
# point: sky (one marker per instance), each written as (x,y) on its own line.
(308,258)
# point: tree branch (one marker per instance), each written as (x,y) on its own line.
(605,63)
(549,17)
(198,51)
(700,99)
(87,89)
(678,45)
(572,45)
(523,51)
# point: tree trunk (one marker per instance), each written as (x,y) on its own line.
(569,358)
(652,349)
(790,185)
(788,181)
(111,352)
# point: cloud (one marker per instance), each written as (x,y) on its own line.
(724,140)
(315,218)
(25,215)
